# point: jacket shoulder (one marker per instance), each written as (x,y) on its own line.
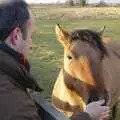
(15,102)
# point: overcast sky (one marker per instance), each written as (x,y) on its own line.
(54,1)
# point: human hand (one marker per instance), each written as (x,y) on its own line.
(97,111)
(105,115)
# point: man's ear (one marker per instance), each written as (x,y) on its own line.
(15,35)
(62,35)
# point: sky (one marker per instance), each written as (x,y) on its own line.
(54,1)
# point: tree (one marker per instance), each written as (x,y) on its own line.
(83,3)
(70,2)
(80,2)
(102,3)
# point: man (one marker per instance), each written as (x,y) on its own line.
(16,27)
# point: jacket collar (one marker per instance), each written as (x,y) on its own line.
(12,67)
(17,56)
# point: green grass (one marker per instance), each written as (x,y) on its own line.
(46,57)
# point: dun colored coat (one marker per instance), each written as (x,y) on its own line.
(91,71)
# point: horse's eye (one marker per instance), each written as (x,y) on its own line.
(69,57)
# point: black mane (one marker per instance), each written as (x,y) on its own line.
(89,36)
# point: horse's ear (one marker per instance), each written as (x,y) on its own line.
(62,35)
(102,30)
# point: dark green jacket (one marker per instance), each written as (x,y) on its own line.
(15,103)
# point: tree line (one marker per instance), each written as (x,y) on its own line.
(84,3)
(76,2)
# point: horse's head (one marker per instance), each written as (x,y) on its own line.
(83,54)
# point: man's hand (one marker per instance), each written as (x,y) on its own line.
(97,111)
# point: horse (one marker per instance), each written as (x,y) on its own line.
(91,71)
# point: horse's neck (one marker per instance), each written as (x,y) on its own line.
(111,70)
(111,64)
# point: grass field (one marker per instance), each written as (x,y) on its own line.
(46,56)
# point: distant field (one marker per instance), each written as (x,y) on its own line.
(57,12)
(47,54)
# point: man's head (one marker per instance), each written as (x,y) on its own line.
(16,25)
